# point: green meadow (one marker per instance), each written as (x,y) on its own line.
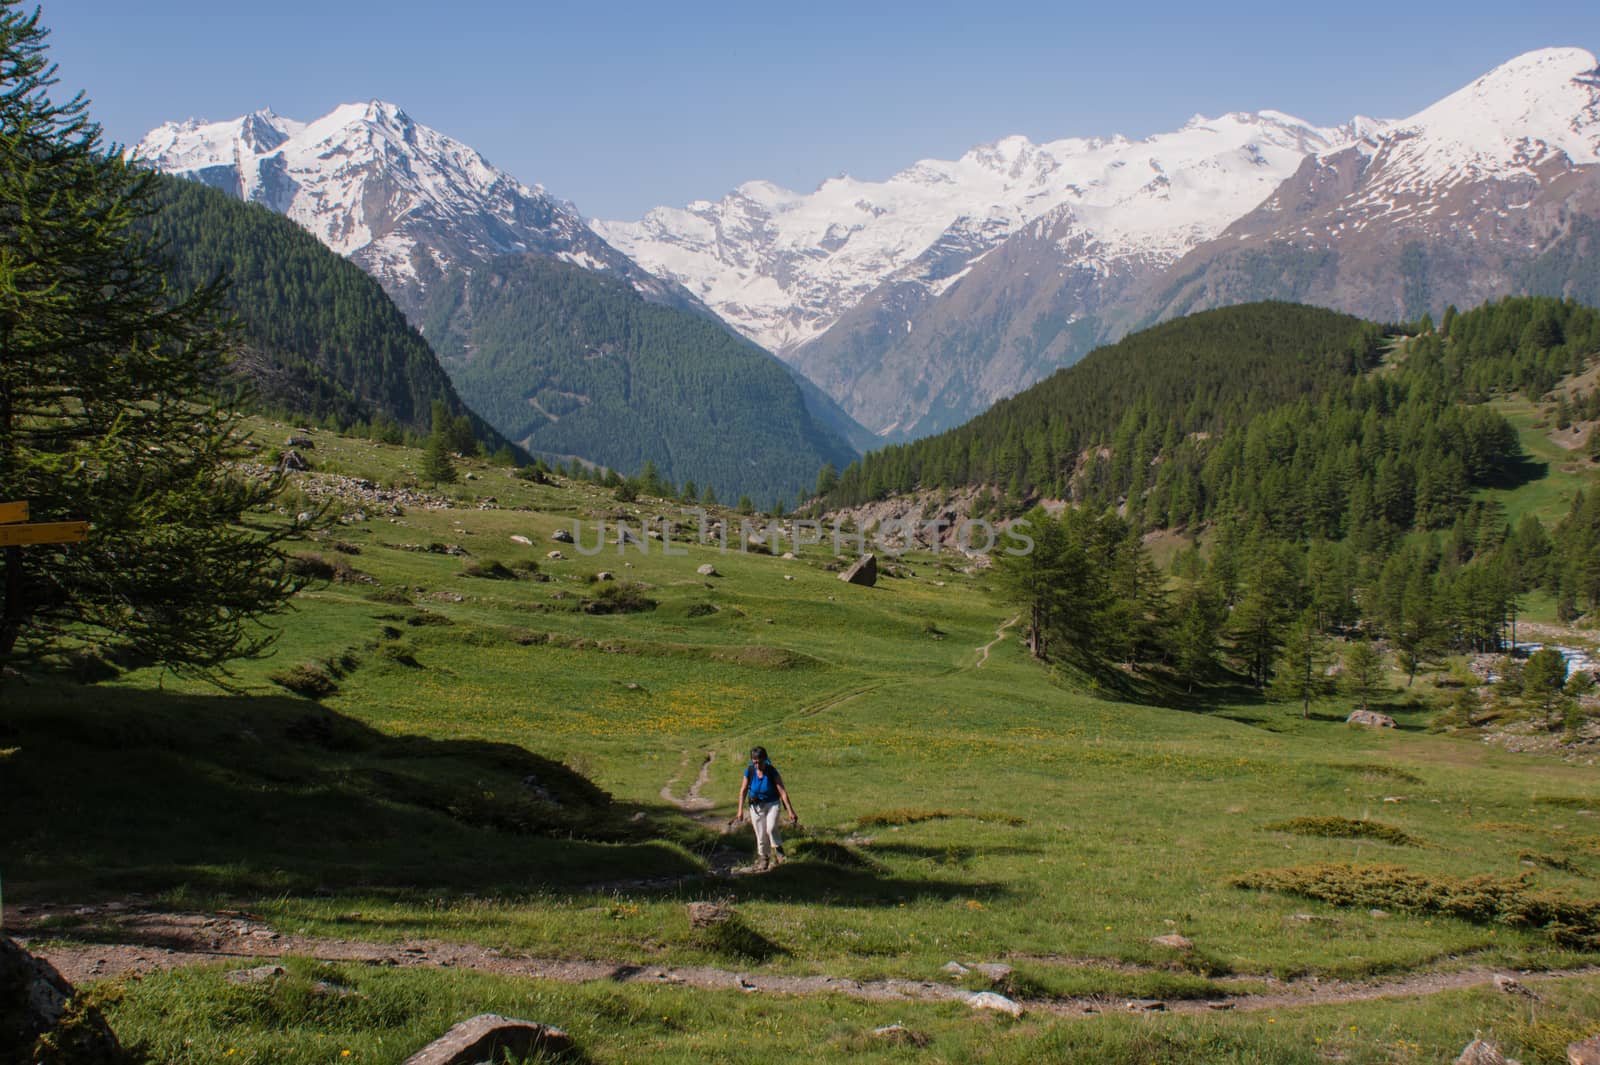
(499,761)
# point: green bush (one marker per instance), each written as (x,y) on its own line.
(1568,921)
(305,679)
(1345,828)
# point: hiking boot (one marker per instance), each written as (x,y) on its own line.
(778,856)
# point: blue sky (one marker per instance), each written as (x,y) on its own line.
(623,106)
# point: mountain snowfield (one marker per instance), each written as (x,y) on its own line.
(405,202)
(782,266)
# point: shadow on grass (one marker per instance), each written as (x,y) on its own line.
(114,790)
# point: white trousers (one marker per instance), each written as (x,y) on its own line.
(764,816)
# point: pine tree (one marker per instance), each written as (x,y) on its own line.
(107,381)
(437,467)
(1363,670)
(1302,663)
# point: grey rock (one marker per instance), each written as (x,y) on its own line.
(605,575)
(993,971)
(1586,1052)
(864,571)
(33,1001)
(1370,718)
(1174,941)
(900,1035)
(1483,1052)
(259,975)
(489,1037)
(709,914)
(561,536)
(708,570)
(988,1000)
(556,556)
(518,538)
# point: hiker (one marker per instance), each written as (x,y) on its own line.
(763,786)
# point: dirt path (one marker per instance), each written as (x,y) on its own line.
(999,634)
(146,942)
(693,802)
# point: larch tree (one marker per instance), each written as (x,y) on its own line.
(108,414)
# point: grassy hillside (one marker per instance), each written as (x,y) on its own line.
(499,765)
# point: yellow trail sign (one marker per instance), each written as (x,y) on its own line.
(13,512)
(44,532)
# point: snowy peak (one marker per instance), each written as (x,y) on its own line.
(1539,108)
(783,266)
(404,201)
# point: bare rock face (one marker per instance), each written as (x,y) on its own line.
(490,1037)
(864,571)
(1370,718)
(40,1021)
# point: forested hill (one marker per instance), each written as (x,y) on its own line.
(321,339)
(1192,375)
(1280,416)
(571,363)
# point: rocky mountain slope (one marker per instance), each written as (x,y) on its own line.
(840,281)
(1479,195)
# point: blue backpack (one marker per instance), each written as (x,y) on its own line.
(762,788)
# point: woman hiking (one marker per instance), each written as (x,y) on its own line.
(763,786)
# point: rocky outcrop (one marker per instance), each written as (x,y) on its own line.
(864,571)
(491,1037)
(42,1019)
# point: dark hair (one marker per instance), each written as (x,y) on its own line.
(758,754)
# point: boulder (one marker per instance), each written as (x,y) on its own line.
(1483,1052)
(864,571)
(491,1037)
(1370,718)
(294,461)
(36,1002)
(1586,1052)
(605,575)
(709,914)
(518,538)
(561,536)
(955,968)
(1174,941)
(556,556)
(708,570)
(305,443)
(988,1000)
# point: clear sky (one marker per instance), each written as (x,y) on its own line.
(624,105)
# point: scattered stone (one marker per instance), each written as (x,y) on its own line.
(993,971)
(988,1000)
(1586,1052)
(1483,1052)
(708,570)
(1219,1005)
(1378,914)
(490,1037)
(35,1001)
(605,575)
(518,538)
(900,1035)
(294,462)
(561,536)
(1145,1005)
(1509,986)
(556,556)
(1174,941)
(788,577)
(259,975)
(1370,718)
(1394,798)
(709,914)
(787,556)
(864,571)
(304,443)
(955,968)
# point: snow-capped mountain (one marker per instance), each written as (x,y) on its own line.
(782,266)
(1465,200)
(405,202)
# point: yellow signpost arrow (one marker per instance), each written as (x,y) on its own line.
(43,532)
(17,532)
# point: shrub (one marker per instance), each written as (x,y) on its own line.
(488,569)
(700,610)
(1344,828)
(310,565)
(395,596)
(1568,921)
(625,597)
(305,679)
